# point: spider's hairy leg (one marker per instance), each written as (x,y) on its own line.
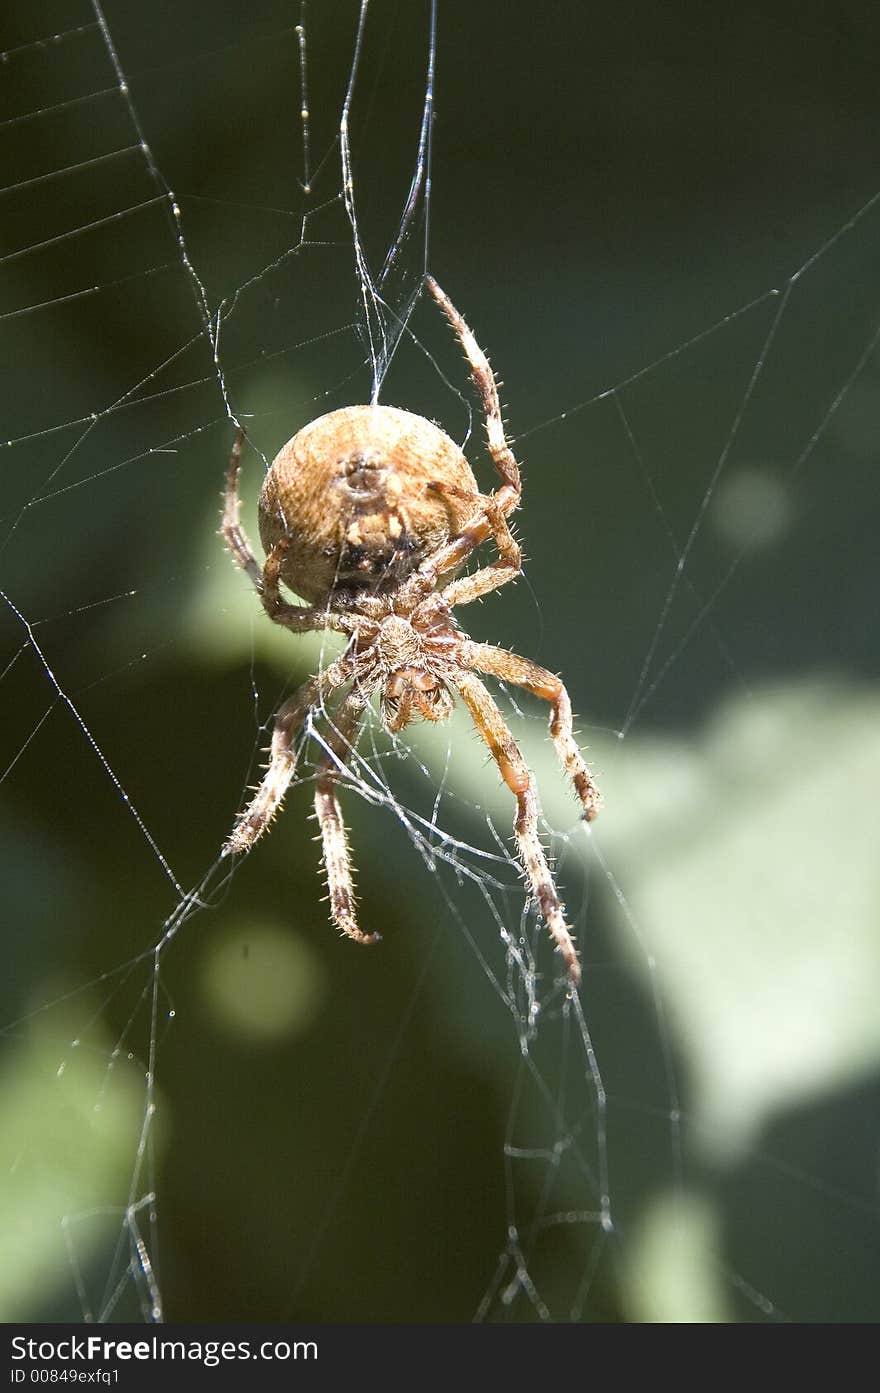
(341,742)
(494,508)
(298,618)
(230,526)
(268,798)
(510,667)
(508,565)
(484,380)
(456,551)
(492,728)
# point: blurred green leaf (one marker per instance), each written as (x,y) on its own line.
(67,1118)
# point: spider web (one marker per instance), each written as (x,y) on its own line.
(210,1104)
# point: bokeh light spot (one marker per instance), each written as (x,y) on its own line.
(261,981)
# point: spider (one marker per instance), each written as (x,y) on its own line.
(368,514)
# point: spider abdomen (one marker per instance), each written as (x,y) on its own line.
(364,493)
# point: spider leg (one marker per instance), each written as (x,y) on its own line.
(508,565)
(346,726)
(298,618)
(252,823)
(484,380)
(492,729)
(510,667)
(231,527)
(493,508)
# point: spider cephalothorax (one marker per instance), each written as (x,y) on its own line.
(369,513)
